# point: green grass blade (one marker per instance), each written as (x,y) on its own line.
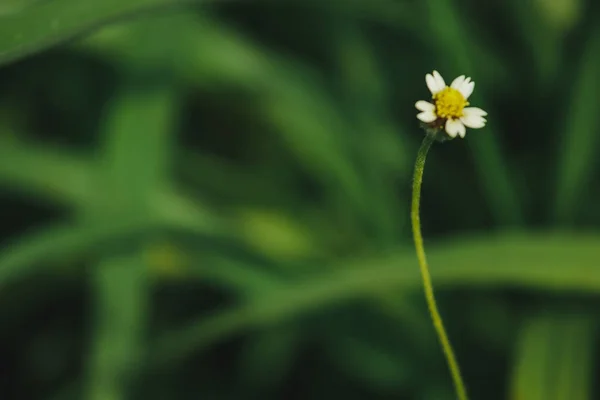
(120,287)
(533,360)
(49,174)
(133,167)
(51,22)
(137,148)
(553,360)
(54,244)
(575,362)
(580,138)
(292,101)
(535,262)
(65,178)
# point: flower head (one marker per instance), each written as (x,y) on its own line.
(448,109)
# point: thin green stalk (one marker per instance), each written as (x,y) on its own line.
(427,285)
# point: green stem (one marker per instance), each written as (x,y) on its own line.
(427,285)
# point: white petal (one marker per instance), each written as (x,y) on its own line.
(457,83)
(467,88)
(454,127)
(473,121)
(467,111)
(440,81)
(424,106)
(465,82)
(432,84)
(427,116)
(462,131)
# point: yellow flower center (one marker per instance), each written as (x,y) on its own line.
(449,103)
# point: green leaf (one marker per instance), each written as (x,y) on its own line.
(120,290)
(533,261)
(553,360)
(206,51)
(580,138)
(51,22)
(45,250)
(47,173)
(275,235)
(65,178)
(575,363)
(53,244)
(137,150)
(292,100)
(9,7)
(134,165)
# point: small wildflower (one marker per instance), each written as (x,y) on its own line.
(448,109)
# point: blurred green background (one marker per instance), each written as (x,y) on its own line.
(210,199)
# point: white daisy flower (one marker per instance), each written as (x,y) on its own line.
(448,108)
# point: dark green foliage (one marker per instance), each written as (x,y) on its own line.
(209,199)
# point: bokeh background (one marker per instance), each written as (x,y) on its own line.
(210,199)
